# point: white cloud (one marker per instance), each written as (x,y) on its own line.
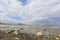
(34,10)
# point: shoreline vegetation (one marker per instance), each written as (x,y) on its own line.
(29,32)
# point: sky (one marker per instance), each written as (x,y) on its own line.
(30,11)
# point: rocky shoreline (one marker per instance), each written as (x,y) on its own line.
(28,32)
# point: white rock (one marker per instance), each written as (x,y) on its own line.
(57,38)
(17,38)
(59,35)
(16,32)
(39,34)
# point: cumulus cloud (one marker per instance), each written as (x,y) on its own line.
(33,10)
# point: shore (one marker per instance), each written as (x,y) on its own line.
(25,32)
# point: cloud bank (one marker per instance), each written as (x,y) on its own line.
(14,11)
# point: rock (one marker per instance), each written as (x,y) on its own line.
(29,33)
(57,38)
(16,32)
(39,34)
(59,35)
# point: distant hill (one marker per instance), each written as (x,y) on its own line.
(5,24)
(2,23)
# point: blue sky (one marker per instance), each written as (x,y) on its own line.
(30,11)
(24,2)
